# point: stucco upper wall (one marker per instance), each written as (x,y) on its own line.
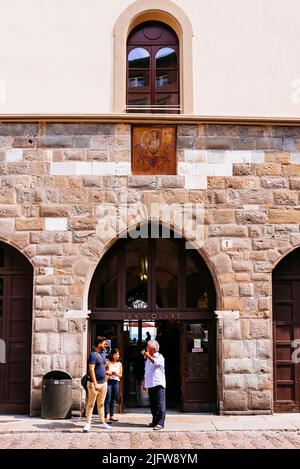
(57,56)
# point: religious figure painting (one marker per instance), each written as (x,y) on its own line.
(154,150)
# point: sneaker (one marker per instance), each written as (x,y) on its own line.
(158,427)
(113,419)
(104,426)
(86,428)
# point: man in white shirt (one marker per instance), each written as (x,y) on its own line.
(155,382)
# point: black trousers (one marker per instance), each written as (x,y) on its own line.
(157,398)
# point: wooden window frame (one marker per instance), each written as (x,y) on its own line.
(153,47)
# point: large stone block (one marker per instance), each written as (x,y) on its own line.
(251,217)
(260,328)
(277,182)
(239,365)
(74,365)
(242,266)
(263,349)
(232,303)
(30,224)
(244,169)
(286,198)
(284,216)
(222,263)
(230,289)
(212,247)
(41,365)
(72,343)
(82,128)
(45,325)
(58,362)
(224,216)
(262,289)
(268,169)
(54,343)
(18,129)
(40,343)
(232,329)
(264,304)
(76,325)
(233,381)
(57,211)
(228,231)
(260,400)
(63,325)
(12,155)
(235,401)
(264,382)
(7,196)
(246,289)
(9,211)
(294,183)
(49,250)
(233,349)
(59,141)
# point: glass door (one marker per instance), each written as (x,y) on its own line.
(136,334)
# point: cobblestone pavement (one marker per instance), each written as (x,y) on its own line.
(151,440)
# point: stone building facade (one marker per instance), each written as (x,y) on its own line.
(58,181)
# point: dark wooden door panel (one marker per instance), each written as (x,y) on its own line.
(286,320)
(198,366)
(15,330)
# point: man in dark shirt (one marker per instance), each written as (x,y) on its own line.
(97,385)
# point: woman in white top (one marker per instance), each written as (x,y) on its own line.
(114,372)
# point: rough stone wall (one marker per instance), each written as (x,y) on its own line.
(58,182)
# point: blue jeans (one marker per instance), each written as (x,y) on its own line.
(111,395)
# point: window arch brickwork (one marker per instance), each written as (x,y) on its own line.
(173,16)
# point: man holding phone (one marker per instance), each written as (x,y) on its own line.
(155,382)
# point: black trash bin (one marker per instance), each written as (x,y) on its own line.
(56,395)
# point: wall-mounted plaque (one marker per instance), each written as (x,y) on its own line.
(154,150)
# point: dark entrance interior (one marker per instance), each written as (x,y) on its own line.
(15,330)
(135,338)
(130,337)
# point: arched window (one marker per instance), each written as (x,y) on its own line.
(153,69)
(152,274)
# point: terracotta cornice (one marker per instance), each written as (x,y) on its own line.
(150,119)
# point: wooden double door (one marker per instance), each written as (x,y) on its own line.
(286,334)
(190,363)
(16,278)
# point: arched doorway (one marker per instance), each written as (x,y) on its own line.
(16,280)
(156,285)
(286,329)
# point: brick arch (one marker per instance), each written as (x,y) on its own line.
(171,14)
(18,246)
(290,247)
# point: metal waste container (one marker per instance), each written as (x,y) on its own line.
(56,395)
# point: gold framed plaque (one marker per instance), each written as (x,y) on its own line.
(154,150)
